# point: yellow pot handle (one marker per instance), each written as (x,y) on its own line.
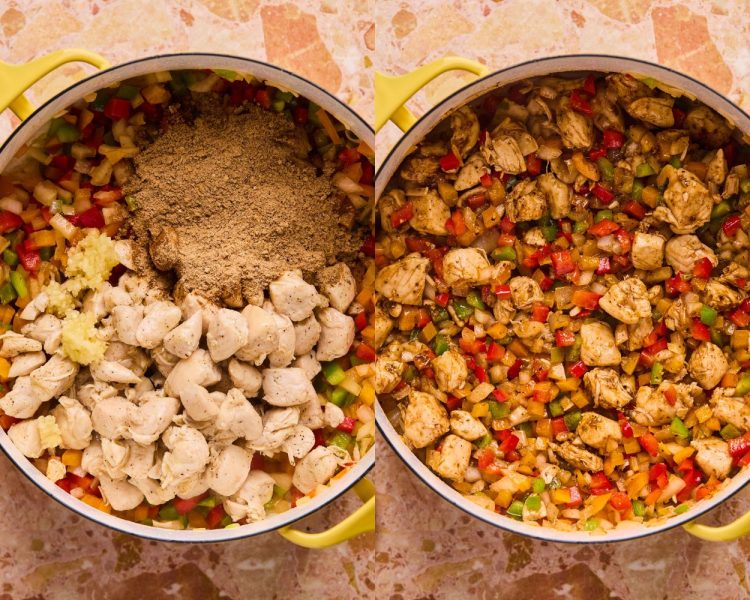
(392,92)
(16,79)
(360,521)
(726,533)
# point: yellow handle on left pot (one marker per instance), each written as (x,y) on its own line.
(392,92)
(16,79)
(360,521)
(725,533)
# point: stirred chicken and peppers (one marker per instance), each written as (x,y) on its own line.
(562,315)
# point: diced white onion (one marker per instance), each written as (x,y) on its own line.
(10,204)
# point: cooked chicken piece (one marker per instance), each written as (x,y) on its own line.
(317,468)
(387,374)
(164,361)
(597,431)
(34,308)
(452,460)
(336,334)
(183,340)
(308,363)
(638,332)
(126,320)
(263,335)
(606,388)
(284,352)
(227,333)
(576,130)
(248,503)
(503,153)
(729,409)
(228,469)
(15,344)
(559,195)
(120,495)
(140,459)
(135,359)
(720,296)
(90,394)
(111,417)
(109,371)
(707,127)
(187,456)
(152,417)
(25,437)
(238,417)
(245,377)
(160,318)
(534,335)
(716,168)
(654,111)
(24,364)
(525,292)
(403,281)
(647,252)
(627,301)
(287,387)
(672,142)
(683,251)
(525,202)
(197,368)
(466,426)
(190,487)
(736,275)
(333,415)
(626,88)
(382,326)
(306,335)
(94,302)
(114,458)
(430,214)
(195,303)
(679,315)
(607,115)
(311,414)
(471,173)
(652,407)
(465,131)
(56,470)
(198,403)
(338,285)
(578,457)
(688,202)
(299,443)
(451,371)
(467,266)
(518,132)
(293,297)
(23,400)
(278,426)
(535,237)
(424,419)
(46,329)
(152,490)
(598,348)
(420,170)
(74,423)
(707,365)
(713,457)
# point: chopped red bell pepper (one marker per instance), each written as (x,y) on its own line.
(686,465)
(502,291)
(215,516)
(442,299)
(486,180)
(499,395)
(28,258)
(603,227)
(739,317)
(597,153)
(646,357)
(453,403)
(585,299)
(495,352)
(415,244)
(117,108)
(577,369)
(739,446)
(93,217)
(699,331)
(349,156)
(533,164)
(540,312)
(476,200)
(600,483)
(435,256)
(677,285)
(485,457)
(581,104)
(576,498)
(258,462)
(604,195)
(402,215)
(649,443)
(559,426)
(634,209)
(670,395)
(546,283)
(263,98)
(481,374)
(679,117)
(656,471)
(703,267)
(509,443)
(450,162)
(360,320)
(731,225)
(368,246)
(625,427)
(611,138)
(515,369)
(620,501)
(745,460)
(423,318)
(368,172)
(541,395)
(300,114)
(347,425)
(516,95)
(9,221)
(184,505)
(659,330)
(562,262)
(365,353)
(506,225)
(589,85)
(564,338)
(456,225)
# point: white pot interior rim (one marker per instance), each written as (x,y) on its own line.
(30,128)
(537,68)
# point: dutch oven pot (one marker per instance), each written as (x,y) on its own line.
(14,81)
(392,92)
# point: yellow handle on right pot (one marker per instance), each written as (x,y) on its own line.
(725,533)
(16,79)
(392,92)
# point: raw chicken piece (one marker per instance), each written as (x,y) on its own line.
(14,344)
(688,202)
(24,364)
(336,334)
(598,348)
(576,130)
(227,333)
(465,131)
(46,329)
(451,371)
(160,318)
(306,335)
(293,297)
(197,368)
(559,195)
(403,281)
(713,457)
(111,417)
(238,417)
(424,419)
(466,426)
(452,460)
(654,111)
(198,403)
(152,417)
(707,127)
(317,468)
(606,389)
(25,437)
(187,455)
(525,202)
(653,409)
(578,457)
(287,387)
(707,365)
(248,503)
(388,373)
(120,495)
(245,377)
(183,340)
(683,251)
(647,252)
(74,423)
(228,469)
(263,335)
(525,292)
(729,409)
(504,154)
(597,431)
(126,320)
(430,214)
(627,301)
(283,354)
(338,285)
(721,297)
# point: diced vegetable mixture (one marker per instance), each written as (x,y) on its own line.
(562,311)
(170,410)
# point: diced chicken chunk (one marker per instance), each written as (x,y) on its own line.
(707,127)
(729,409)
(238,418)
(228,469)
(24,364)
(453,458)
(430,214)
(465,131)
(126,320)
(227,333)
(652,407)
(263,335)
(654,111)
(306,335)
(688,202)
(403,281)
(187,456)
(578,457)
(471,173)
(606,388)
(74,423)
(120,495)
(111,417)
(576,130)
(245,377)
(25,437)
(721,297)
(466,266)
(248,503)
(46,329)
(627,301)
(315,469)
(387,374)
(713,457)
(466,426)
(598,347)
(197,368)
(14,344)
(160,318)
(597,431)
(559,195)
(293,296)
(450,370)
(525,292)
(183,340)
(336,334)
(647,252)
(283,354)
(683,251)
(287,387)
(707,365)
(504,154)
(338,285)
(525,202)
(425,419)
(198,403)
(149,420)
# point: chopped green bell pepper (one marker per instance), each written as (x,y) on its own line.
(128,92)
(637,190)
(580,226)
(439,314)
(516,509)
(538,485)
(18,280)
(603,214)
(441,344)
(679,429)
(463,309)
(341,439)
(572,419)
(729,432)
(475,300)
(168,513)
(644,170)
(333,373)
(639,508)
(708,315)
(533,502)
(607,168)
(504,253)
(591,524)
(657,373)
(555,408)
(483,441)
(743,386)
(10,257)
(675,162)
(722,209)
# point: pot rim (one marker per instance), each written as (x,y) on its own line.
(397,153)
(30,127)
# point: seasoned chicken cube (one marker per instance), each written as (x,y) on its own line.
(465,131)
(466,426)
(734,274)
(713,457)
(638,332)
(387,374)
(707,127)
(293,297)
(425,419)
(578,457)
(420,170)
(15,344)
(183,340)
(263,334)
(228,469)
(450,371)
(729,409)
(46,329)
(74,422)
(559,195)
(627,301)
(534,335)
(287,387)
(403,281)
(525,292)
(683,251)
(626,88)
(338,285)
(597,431)
(24,364)
(707,365)
(652,407)
(679,315)
(654,111)
(120,495)
(306,335)
(598,347)
(336,334)
(688,202)
(720,296)
(471,173)
(25,437)
(606,388)
(525,202)
(716,169)
(315,469)
(161,317)
(576,130)
(467,266)
(504,154)
(647,252)
(430,214)
(227,333)
(53,378)
(452,460)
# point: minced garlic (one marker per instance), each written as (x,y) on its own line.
(49,432)
(91,260)
(80,339)
(61,301)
